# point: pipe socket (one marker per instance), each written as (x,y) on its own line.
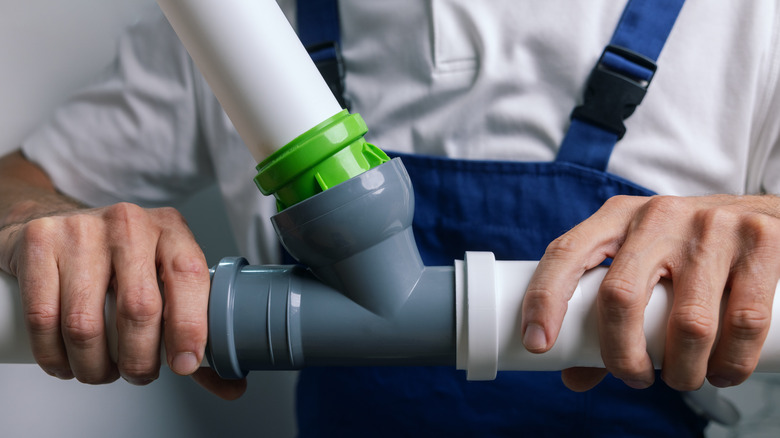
(357,237)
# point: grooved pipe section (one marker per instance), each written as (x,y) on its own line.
(282,318)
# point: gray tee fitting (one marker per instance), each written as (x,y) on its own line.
(374,303)
(283,318)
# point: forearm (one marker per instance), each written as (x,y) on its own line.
(26,192)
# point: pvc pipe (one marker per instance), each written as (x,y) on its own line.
(256,66)
(14,345)
(467,317)
(372,289)
(489,296)
(281,317)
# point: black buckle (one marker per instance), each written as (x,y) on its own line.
(612,94)
(327,58)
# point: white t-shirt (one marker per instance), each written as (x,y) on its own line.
(491,79)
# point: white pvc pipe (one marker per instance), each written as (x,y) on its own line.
(489,298)
(14,345)
(256,66)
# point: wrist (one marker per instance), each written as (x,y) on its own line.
(26,208)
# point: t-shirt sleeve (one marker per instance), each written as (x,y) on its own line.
(769,135)
(134,135)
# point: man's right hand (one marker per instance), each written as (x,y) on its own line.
(66,260)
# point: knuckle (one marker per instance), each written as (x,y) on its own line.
(656,213)
(760,229)
(622,202)
(142,304)
(716,219)
(42,318)
(80,225)
(564,245)
(188,264)
(82,328)
(664,206)
(171,216)
(185,266)
(125,212)
(747,324)
(48,237)
(619,293)
(38,235)
(693,324)
(124,218)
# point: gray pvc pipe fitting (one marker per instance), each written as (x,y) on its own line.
(365,298)
(357,237)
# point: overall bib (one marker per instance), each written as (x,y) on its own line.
(514,209)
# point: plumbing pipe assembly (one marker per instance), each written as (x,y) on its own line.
(345,212)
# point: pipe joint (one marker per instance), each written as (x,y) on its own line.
(357,237)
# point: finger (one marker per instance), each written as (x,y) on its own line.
(84,277)
(582,379)
(745,323)
(225,389)
(186,285)
(622,300)
(693,321)
(139,303)
(39,283)
(744,329)
(565,260)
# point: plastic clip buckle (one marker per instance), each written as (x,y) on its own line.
(327,58)
(617,84)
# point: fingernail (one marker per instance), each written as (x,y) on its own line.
(638,384)
(64,374)
(184,363)
(138,382)
(534,338)
(720,382)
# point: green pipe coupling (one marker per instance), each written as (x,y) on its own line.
(322,157)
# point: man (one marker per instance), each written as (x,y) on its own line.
(489,81)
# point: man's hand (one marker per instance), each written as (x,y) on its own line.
(66,263)
(722,254)
(66,259)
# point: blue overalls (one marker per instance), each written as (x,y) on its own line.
(514,210)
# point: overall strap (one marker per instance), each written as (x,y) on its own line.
(319,31)
(618,82)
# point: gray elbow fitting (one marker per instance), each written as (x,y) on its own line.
(357,237)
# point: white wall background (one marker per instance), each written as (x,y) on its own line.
(48,48)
